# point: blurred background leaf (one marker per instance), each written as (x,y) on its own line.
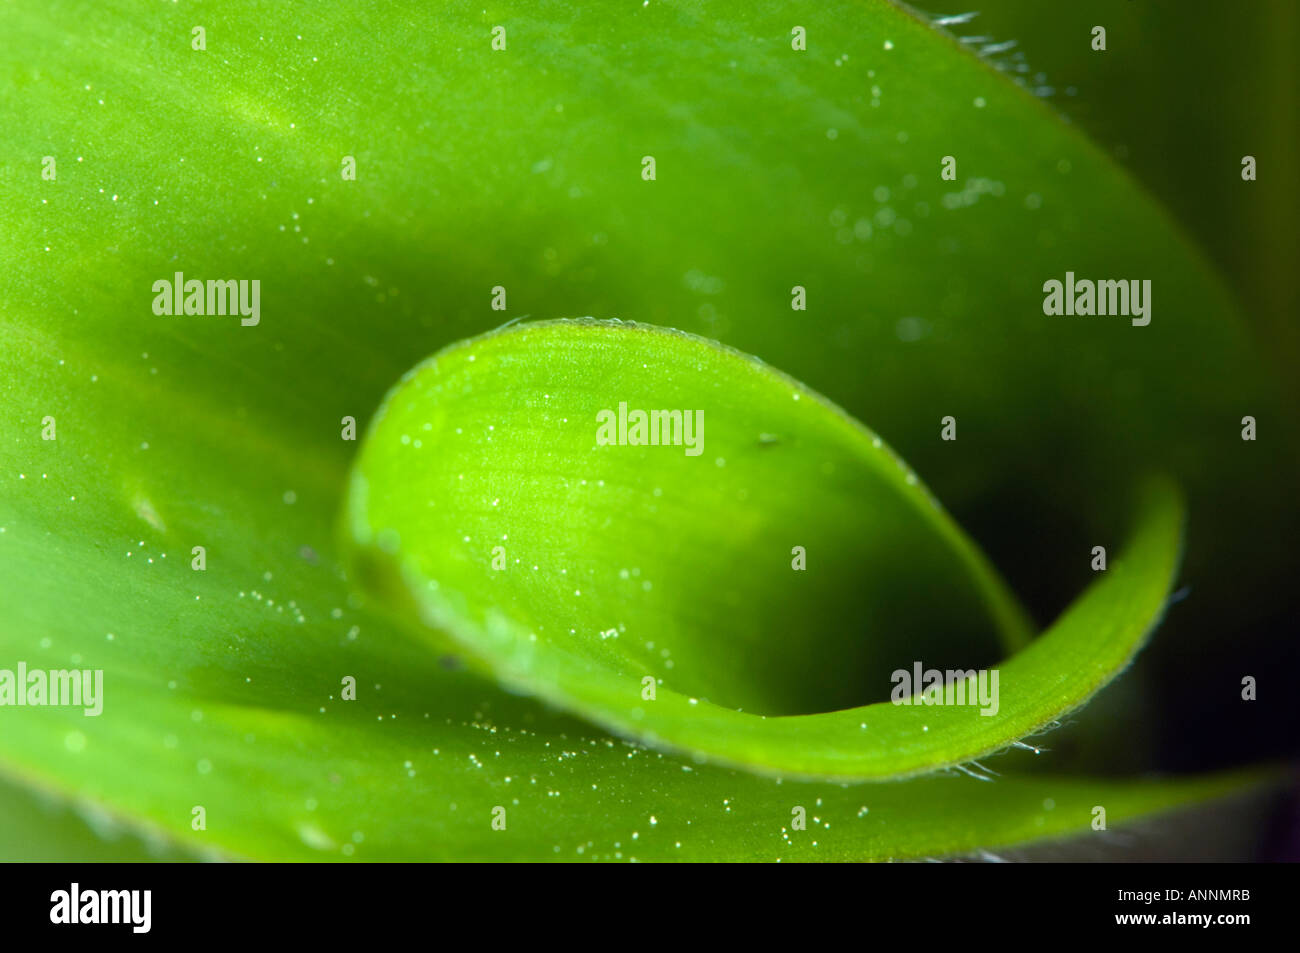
(1185,90)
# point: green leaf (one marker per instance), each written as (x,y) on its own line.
(232,703)
(520,169)
(588,800)
(654,589)
(42,827)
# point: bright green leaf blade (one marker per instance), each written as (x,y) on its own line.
(235,704)
(215,682)
(775,168)
(176,431)
(354,784)
(655,588)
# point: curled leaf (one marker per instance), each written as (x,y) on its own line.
(750,602)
